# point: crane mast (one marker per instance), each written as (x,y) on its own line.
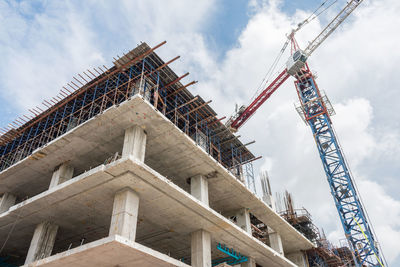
(315,110)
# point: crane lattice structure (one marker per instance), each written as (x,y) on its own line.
(315,109)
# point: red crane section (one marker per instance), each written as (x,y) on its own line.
(242,117)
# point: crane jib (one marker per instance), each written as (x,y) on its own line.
(252,108)
(331,27)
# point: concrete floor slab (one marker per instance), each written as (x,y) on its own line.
(169,151)
(175,209)
(109,251)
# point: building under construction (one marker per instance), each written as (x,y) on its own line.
(127,168)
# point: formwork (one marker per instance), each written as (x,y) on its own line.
(140,71)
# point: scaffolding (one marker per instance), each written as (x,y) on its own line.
(249,177)
(324,254)
(298,218)
(139,72)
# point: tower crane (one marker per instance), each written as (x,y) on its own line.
(315,109)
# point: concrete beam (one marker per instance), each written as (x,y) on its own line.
(61,174)
(42,242)
(243,220)
(165,144)
(159,196)
(250,263)
(6,201)
(201,249)
(125,214)
(134,143)
(199,188)
(111,251)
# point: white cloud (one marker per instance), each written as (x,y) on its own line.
(384,213)
(44,53)
(353,119)
(356,67)
(43,50)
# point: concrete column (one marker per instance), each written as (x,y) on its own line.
(275,241)
(243,220)
(298,258)
(6,202)
(42,242)
(199,188)
(61,174)
(274,238)
(201,249)
(125,214)
(250,263)
(134,143)
(269,200)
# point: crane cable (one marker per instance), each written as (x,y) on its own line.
(365,236)
(317,15)
(308,20)
(270,71)
(272,68)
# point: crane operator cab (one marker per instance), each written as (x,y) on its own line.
(296,62)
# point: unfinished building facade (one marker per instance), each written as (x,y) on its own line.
(131,169)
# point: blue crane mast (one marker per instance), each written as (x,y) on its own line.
(315,109)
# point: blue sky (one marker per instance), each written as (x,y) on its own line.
(7,112)
(227,46)
(228,21)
